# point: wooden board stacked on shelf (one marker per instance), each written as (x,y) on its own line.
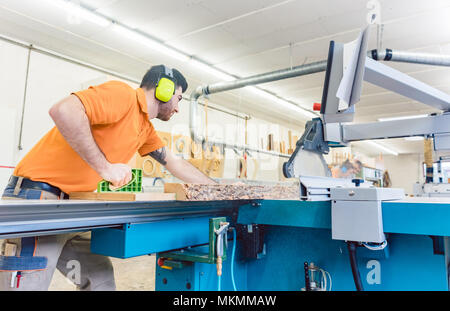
(211,163)
(122,196)
(166,139)
(204,192)
(181,145)
(150,167)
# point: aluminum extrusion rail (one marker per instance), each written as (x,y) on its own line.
(34,217)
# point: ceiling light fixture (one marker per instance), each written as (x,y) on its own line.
(380,146)
(402,118)
(282,102)
(414,138)
(147,41)
(210,69)
(77,10)
(74,9)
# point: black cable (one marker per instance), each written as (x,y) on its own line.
(356,277)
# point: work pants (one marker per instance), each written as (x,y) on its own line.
(69,253)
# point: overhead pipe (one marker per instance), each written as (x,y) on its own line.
(267,77)
(240,83)
(410,57)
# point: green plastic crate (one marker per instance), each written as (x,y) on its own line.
(134,186)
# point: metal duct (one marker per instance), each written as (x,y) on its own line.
(267,77)
(240,83)
(410,57)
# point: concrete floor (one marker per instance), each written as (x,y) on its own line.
(132,274)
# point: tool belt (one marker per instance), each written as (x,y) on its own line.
(37,185)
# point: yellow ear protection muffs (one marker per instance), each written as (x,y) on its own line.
(165,88)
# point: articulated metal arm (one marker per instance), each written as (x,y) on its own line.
(374,72)
(307,158)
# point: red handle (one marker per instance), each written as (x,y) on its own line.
(19,275)
(160,261)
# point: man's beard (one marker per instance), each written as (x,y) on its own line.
(163,117)
(165,111)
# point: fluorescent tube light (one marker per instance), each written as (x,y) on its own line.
(127,32)
(413,138)
(402,118)
(147,41)
(81,12)
(282,102)
(379,146)
(105,12)
(77,10)
(215,72)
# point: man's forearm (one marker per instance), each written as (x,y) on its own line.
(185,171)
(179,167)
(71,120)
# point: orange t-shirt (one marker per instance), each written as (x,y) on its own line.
(120,126)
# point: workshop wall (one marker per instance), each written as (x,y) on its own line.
(49,79)
(13,62)
(404,170)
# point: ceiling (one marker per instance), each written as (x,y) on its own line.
(245,38)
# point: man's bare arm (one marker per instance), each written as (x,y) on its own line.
(71,120)
(180,168)
(159,155)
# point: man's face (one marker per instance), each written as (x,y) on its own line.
(166,110)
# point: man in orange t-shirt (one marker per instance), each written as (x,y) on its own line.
(97,131)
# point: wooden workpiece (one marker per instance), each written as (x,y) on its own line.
(122,196)
(205,192)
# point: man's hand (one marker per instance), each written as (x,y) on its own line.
(117,174)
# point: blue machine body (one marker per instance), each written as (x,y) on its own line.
(416,258)
(148,238)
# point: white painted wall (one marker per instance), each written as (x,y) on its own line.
(13,62)
(51,79)
(404,170)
